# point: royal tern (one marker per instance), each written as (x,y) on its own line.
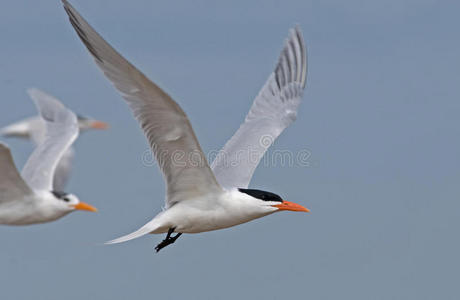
(29,198)
(34,129)
(195,201)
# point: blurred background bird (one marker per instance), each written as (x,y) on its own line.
(34,129)
(30,198)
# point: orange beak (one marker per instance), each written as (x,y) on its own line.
(286,205)
(99,125)
(84,206)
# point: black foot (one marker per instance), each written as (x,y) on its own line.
(168,240)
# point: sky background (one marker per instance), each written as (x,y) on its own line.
(380,117)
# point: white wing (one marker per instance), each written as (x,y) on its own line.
(34,128)
(12,186)
(61,132)
(274,109)
(165,125)
(63,170)
(38,131)
(37,126)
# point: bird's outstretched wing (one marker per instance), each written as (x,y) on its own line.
(12,186)
(37,126)
(38,133)
(274,109)
(63,170)
(165,124)
(32,128)
(61,131)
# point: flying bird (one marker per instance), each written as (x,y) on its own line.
(34,129)
(29,197)
(198,199)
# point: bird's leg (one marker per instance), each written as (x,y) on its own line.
(168,240)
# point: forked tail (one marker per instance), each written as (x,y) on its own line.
(147,228)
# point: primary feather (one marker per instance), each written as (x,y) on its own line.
(61,132)
(167,128)
(273,110)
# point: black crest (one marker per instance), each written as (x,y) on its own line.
(81,118)
(262,195)
(60,195)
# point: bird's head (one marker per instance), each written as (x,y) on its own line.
(272,201)
(85,123)
(69,202)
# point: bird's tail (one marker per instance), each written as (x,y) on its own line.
(147,228)
(18,129)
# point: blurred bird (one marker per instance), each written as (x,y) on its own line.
(29,198)
(34,129)
(197,201)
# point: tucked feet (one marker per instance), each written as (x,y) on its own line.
(168,240)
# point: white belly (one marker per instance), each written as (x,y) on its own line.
(26,212)
(200,215)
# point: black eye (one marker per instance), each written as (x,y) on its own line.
(66,199)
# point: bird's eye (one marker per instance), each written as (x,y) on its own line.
(66,199)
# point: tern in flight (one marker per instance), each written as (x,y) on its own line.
(29,198)
(34,129)
(199,198)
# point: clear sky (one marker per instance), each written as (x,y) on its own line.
(380,118)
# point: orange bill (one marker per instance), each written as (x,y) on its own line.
(85,206)
(99,125)
(286,205)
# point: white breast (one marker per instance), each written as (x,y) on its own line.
(31,210)
(211,213)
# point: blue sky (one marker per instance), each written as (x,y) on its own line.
(379,116)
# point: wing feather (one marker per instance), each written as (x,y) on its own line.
(12,186)
(274,109)
(165,124)
(61,131)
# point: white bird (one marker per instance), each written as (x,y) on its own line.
(29,198)
(195,201)
(34,129)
